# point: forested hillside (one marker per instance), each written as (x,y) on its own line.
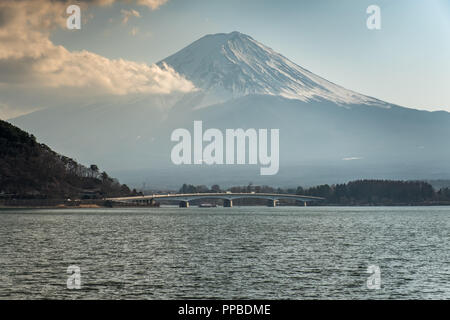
(29,169)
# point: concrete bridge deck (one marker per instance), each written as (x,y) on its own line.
(228,198)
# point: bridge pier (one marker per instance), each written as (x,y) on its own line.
(227,203)
(272,203)
(184,204)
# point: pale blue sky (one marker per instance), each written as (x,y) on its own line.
(406,62)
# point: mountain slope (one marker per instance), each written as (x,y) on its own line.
(239,65)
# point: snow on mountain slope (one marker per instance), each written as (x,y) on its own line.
(233,65)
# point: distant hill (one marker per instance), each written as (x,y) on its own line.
(29,169)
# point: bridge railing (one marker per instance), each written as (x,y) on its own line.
(221,195)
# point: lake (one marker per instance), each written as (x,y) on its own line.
(226,253)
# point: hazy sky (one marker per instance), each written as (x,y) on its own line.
(406,62)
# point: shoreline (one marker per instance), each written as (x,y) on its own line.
(63,207)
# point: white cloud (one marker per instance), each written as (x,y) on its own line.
(134,31)
(30,60)
(127,14)
(152,4)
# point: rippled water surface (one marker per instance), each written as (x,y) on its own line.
(228,253)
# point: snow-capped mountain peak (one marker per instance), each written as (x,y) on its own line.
(235,64)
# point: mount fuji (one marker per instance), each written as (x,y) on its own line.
(328,134)
(234,65)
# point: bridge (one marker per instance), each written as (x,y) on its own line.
(227,197)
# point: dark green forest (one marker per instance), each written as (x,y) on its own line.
(31,170)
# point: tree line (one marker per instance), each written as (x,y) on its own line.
(359,192)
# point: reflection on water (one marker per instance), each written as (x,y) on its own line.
(226,253)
